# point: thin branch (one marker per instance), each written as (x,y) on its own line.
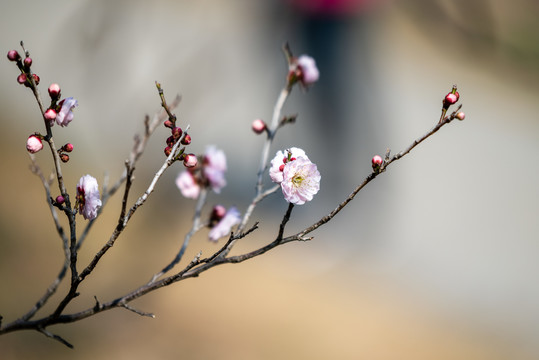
(55,337)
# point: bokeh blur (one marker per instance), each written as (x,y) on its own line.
(437,259)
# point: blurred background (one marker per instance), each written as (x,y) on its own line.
(436,259)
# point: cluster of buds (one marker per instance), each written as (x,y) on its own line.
(67,148)
(450,99)
(26,76)
(189,160)
(60,111)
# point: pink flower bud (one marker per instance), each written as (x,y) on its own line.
(177,133)
(258,126)
(60,200)
(33,144)
(190,160)
(13,55)
(377,161)
(217,213)
(170,141)
(64,157)
(186,139)
(36,78)
(27,62)
(168,124)
(54,91)
(50,115)
(168,150)
(21,79)
(451,98)
(461,115)
(68,147)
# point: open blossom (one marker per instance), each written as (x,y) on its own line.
(279,161)
(309,71)
(224,226)
(88,197)
(65,115)
(187,184)
(301,181)
(214,168)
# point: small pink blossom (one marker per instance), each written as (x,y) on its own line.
(258,126)
(280,159)
(301,181)
(65,115)
(88,197)
(190,160)
(33,144)
(309,71)
(188,185)
(225,225)
(214,168)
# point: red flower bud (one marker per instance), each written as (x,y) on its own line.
(64,157)
(60,200)
(21,79)
(177,133)
(170,141)
(451,98)
(68,147)
(186,139)
(168,150)
(50,115)
(27,62)
(36,78)
(13,55)
(168,124)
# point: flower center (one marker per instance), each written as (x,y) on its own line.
(297,180)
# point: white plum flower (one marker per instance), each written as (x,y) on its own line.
(65,115)
(301,181)
(187,184)
(280,159)
(309,71)
(224,226)
(214,168)
(88,197)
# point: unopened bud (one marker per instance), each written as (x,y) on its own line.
(217,213)
(170,141)
(36,78)
(33,144)
(177,133)
(13,55)
(64,157)
(186,139)
(168,150)
(168,124)
(68,147)
(60,200)
(461,115)
(377,162)
(50,115)
(451,98)
(27,62)
(21,79)
(54,91)
(190,160)
(258,126)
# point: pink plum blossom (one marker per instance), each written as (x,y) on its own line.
(33,144)
(280,159)
(301,181)
(65,115)
(88,197)
(309,71)
(224,226)
(214,168)
(188,185)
